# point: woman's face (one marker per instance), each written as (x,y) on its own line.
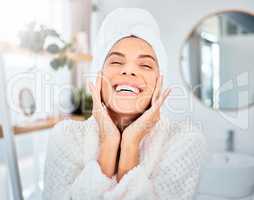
(129,73)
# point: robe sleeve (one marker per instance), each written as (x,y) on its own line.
(175,177)
(65,176)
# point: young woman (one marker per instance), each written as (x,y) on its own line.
(126,150)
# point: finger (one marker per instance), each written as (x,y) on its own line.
(98,84)
(97,91)
(158,103)
(163,96)
(157,89)
(92,90)
(95,97)
(104,107)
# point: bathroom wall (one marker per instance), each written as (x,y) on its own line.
(49,87)
(176,19)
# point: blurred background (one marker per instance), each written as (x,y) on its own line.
(45,56)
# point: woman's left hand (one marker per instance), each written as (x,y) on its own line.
(134,133)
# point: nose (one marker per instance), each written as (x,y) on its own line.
(125,73)
(128,70)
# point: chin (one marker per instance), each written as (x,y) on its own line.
(129,106)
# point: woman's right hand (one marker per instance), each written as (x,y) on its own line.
(108,132)
(107,128)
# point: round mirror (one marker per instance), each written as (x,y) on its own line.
(217,60)
(27,102)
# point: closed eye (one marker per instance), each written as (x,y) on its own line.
(116,63)
(147,66)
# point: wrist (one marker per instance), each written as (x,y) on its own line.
(129,150)
(130,143)
(112,139)
(112,144)
(109,146)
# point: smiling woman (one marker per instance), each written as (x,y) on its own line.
(127,149)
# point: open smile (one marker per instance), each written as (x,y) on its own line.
(127,89)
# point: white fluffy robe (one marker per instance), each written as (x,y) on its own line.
(169,166)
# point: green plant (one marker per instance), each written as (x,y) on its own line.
(34,37)
(83,102)
(61,59)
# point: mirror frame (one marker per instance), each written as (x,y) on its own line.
(200,21)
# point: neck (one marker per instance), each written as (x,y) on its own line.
(122,120)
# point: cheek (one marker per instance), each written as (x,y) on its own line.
(151,83)
(108,74)
(106,89)
(144,100)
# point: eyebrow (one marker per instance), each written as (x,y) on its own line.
(140,56)
(147,56)
(115,53)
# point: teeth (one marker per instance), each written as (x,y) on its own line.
(128,88)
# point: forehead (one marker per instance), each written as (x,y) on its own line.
(133,45)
